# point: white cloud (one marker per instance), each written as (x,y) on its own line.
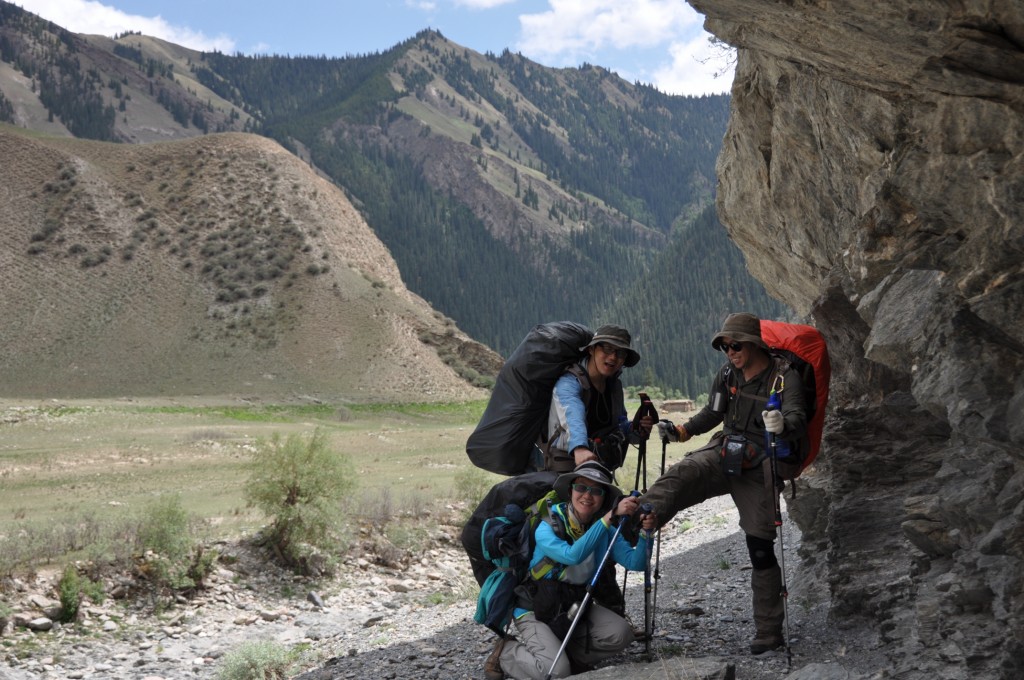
(573,31)
(482,4)
(697,67)
(86,16)
(575,28)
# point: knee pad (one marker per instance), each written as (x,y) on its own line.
(762,552)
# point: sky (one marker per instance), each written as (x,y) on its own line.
(657,42)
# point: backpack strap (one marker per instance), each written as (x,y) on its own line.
(557,459)
(547,565)
(779,367)
(577,369)
(781,364)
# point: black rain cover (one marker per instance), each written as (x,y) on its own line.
(518,408)
(522,491)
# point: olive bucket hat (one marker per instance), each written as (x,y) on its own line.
(617,336)
(741,327)
(593,471)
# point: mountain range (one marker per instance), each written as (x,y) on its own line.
(503,193)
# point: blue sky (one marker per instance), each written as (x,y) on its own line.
(660,42)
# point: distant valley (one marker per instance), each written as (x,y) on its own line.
(504,193)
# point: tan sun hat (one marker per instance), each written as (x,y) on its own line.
(593,471)
(619,337)
(741,327)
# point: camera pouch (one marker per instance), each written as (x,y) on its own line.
(738,454)
(732,453)
(610,444)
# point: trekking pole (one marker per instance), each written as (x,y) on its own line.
(657,552)
(641,462)
(646,408)
(590,589)
(647,509)
(773,405)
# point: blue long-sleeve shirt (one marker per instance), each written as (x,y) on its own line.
(590,546)
(567,417)
(569,412)
(581,557)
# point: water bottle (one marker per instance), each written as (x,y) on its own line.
(778,446)
(624,425)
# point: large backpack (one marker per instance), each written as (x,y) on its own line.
(499,540)
(803,348)
(517,411)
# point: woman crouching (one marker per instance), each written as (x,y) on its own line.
(571,543)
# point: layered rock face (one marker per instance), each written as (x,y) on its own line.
(873,173)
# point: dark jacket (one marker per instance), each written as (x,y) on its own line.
(745,400)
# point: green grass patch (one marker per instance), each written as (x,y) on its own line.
(470,409)
(67,482)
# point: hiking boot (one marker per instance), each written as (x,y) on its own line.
(492,667)
(760,645)
(769,609)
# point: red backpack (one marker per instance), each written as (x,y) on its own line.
(805,349)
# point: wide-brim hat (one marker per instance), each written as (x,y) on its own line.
(741,327)
(617,336)
(593,471)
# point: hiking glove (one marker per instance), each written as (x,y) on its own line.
(668,431)
(773,421)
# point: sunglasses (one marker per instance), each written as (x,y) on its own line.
(734,346)
(612,349)
(593,490)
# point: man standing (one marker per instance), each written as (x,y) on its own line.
(736,460)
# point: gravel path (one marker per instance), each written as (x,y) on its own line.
(409,624)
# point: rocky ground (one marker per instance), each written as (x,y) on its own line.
(416,622)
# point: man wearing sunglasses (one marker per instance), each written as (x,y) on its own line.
(735,461)
(587,419)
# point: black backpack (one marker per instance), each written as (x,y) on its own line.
(499,540)
(522,491)
(517,411)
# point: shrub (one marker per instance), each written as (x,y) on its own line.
(257,660)
(299,484)
(171,555)
(70,592)
(165,528)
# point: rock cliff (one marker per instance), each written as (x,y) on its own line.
(873,174)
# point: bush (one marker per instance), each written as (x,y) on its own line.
(72,588)
(298,483)
(70,591)
(257,660)
(164,528)
(171,556)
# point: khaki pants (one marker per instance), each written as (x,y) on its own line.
(599,635)
(699,477)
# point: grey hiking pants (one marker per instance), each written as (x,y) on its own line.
(699,477)
(600,634)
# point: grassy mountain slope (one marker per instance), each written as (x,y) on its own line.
(209,266)
(508,193)
(133,89)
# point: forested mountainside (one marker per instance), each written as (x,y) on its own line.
(508,193)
